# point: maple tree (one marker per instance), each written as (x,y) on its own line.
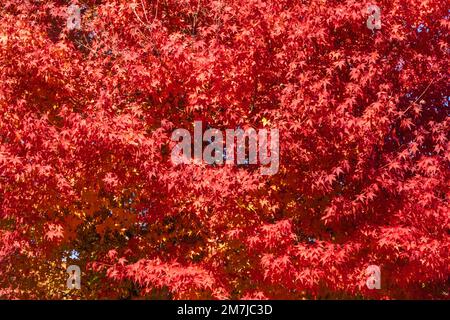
(85,171)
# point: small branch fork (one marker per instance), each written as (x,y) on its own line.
(146,24)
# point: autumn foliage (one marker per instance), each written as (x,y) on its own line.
(86,176)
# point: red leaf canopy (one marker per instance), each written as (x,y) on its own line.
(85,171)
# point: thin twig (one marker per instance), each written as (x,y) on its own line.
(137,16)
(81,44)
(145,11)
(194,24)
(404,112)
(156,11)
